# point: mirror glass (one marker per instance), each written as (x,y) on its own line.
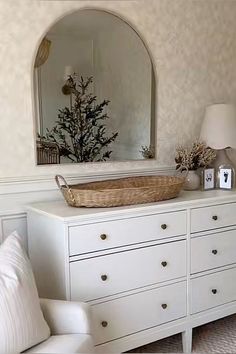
(94,91)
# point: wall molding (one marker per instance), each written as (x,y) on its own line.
(16,193)
(47,183)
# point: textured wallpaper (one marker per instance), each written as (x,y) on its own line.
(193,46)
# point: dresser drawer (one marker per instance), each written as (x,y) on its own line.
(213,290)
(114,273)
(99,236)
(212,217)
(215,250)
(127,315)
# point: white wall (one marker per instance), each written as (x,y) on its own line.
(122,70)
(193,44)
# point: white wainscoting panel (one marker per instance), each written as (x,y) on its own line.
(16,194)
(14,223)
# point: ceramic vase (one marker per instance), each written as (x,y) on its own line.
(192,181)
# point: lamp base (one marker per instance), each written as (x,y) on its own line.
(222,160)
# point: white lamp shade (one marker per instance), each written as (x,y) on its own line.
(219,126)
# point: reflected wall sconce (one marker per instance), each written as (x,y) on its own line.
(66,90)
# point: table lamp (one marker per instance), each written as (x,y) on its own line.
(218,131)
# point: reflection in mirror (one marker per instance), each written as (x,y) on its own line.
(94,91)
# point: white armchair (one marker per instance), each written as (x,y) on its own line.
(32,325)
(70,328)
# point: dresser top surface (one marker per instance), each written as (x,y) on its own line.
(59,209)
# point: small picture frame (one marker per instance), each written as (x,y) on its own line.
(225,177)
(208,178)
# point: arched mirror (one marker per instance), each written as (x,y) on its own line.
(94,91)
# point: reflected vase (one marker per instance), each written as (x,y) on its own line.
(192,181)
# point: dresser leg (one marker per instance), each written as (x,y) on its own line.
(187,340)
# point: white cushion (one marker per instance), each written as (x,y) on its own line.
(66,343)
(22,324)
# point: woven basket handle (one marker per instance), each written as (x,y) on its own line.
(182,172)
(58,179)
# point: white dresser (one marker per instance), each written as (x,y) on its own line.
(148,271)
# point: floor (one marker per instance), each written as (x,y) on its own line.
(215,337)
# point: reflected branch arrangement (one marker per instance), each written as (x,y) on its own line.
(80,131)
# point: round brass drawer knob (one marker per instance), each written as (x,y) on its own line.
(214,291)
(164,306)
(103,236)
(104,323)
(215,217)
(104,277)
(214,251)
(163,226)
(164,264)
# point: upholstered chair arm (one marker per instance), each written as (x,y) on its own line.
(66,317)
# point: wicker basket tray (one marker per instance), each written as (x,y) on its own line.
(124,191)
